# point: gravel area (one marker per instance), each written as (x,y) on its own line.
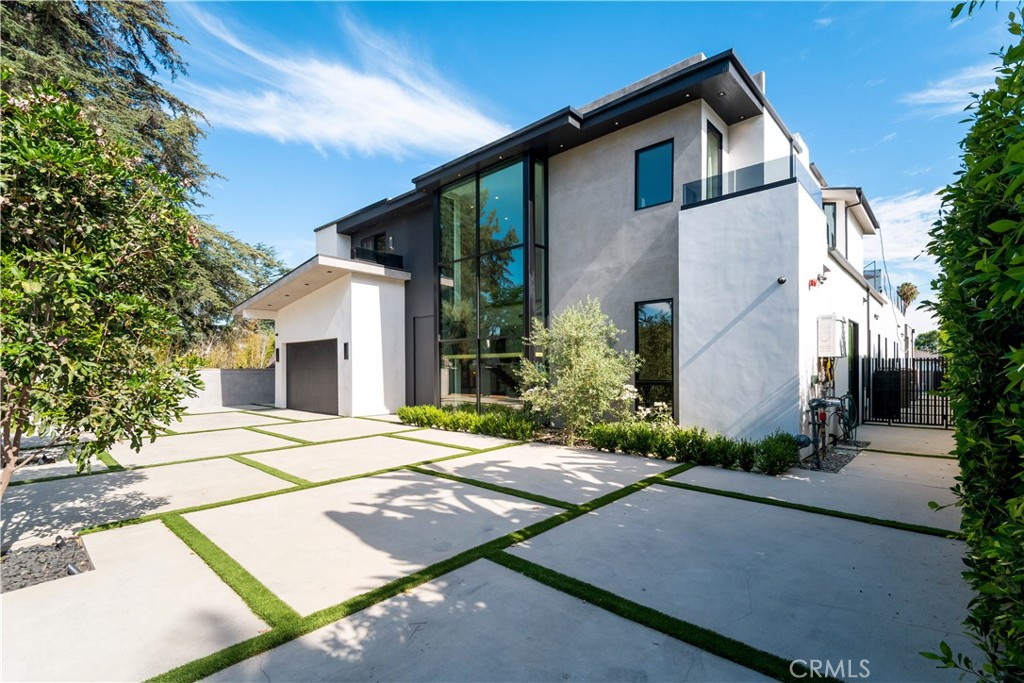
(837,457)
(30,565)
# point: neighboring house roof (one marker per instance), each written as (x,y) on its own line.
(921,353)
(720,80)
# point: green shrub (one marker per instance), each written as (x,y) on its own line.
(977,244)
(721,451)
(641,438)
(504,422)
(606,437)
(777,452)
(746,454)
(666,446)
(582,378)
(692,445)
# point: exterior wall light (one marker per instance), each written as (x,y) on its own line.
(781,279)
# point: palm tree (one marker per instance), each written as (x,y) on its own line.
(908,292)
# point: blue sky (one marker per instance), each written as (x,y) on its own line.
(318,109)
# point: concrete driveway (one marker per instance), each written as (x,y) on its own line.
(277,545)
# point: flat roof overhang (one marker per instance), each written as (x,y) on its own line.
(307,278)
(857,203)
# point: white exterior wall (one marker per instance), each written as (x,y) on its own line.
(330,243)
(738,341)
(322,314)
(377,351)
(855,243)
(599,245)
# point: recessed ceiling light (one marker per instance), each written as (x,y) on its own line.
(687,95)
(287,294)
(561,147)
(616,123)
(329,272)
(500,157)
(721,93)
(742,117)
(306,284)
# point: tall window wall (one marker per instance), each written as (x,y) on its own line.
(492,278)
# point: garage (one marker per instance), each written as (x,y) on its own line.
(312,371)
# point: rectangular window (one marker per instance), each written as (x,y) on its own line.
(713,178)
(654,345)
(830,223)
(654,175)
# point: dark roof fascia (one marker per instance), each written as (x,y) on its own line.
(509,144)
(377,210)
(862,200)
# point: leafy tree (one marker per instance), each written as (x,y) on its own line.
(111,53)
(978,245)
(929,341)
(95,241)
(582,378)
(907,292)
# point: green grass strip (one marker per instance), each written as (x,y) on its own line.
(733,650)
(401,436)
(285,420)
(915,455)
(877,521)
(263,603)
(536,498)
(294,439)
(206,666)
(108,460)
(273,471)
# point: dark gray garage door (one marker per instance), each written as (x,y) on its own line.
(313,376)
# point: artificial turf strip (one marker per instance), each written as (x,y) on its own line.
(915,455)
(263,603)
(108,460)
(877,521)
(543,500)
(402,437)
(272,471)
(206,666)
(736,651)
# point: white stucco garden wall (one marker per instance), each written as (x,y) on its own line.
(738,365)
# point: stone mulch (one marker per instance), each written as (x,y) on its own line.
(837,457)
(27,566)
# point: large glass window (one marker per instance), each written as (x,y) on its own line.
(654,175)
(654,381)
(713,177)
(830,223)
(486,289)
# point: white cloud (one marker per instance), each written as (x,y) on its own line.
(889,138)
(871,83)
(917,170)
(391,103)
(824,22)
(905,220)
(953,93)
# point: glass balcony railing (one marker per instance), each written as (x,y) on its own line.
(879,280)
(384,258)
(750,178)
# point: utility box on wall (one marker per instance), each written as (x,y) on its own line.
(831,337)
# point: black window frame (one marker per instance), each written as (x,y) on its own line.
(637,307)
(831,236)
(713,185)
(671,174)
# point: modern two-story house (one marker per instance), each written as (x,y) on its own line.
(682,202)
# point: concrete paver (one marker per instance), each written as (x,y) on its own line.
(394,419)
(177,447)
(149,605)
(347,458)
(463,439)
(339,428)
(799,585)
(485,623)
(290,414)
(876,487)
(321,546)
(201,423)
(574,475)
(56,469)
(920,440)
(50,507)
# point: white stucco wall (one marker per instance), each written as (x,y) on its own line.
(321,314)
(738,334)
(599,245)
(377,352)
(330,243)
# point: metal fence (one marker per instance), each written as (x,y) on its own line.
(905,391)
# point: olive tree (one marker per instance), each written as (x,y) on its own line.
(580,378)
(96,243)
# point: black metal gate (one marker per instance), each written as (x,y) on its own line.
(905,391)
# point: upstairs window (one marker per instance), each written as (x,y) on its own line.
(654,175)
(830,223)
(713,178)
